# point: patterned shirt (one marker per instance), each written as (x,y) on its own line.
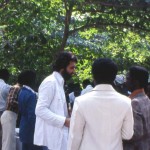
(12,99)
(141,114)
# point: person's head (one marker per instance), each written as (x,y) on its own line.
(104,71)
(137,78)
(120,79)
(4,74)
(119,84)
(65,64)
(77,89)
(86,82)
(27,77)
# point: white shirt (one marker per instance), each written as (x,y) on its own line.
(100,120)
(87,89)
(51,112)
(4,90)
(71,97)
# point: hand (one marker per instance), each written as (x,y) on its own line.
(69,113)
(67,122)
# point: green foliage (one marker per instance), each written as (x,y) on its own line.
(32,32)
(28,35)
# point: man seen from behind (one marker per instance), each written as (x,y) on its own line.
(103,117)
(137,81)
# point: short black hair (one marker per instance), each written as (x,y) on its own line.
(104,70)
(27,77)
(76,86)
(139,74)
(4,74)
(86,82)
(63,59)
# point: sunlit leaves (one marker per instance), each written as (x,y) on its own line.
(31,33)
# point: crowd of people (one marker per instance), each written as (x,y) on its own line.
(110,113)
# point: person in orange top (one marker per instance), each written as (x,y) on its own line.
(136,81)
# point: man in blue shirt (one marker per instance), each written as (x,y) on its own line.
(27,102)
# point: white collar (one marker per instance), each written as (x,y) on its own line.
(103,87)
(59,78)
(29,88)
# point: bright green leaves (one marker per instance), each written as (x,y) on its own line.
(33,31)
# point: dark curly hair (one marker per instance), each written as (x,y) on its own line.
(139,74)
(4,74)
(104,70)
(63,59)
(27,77)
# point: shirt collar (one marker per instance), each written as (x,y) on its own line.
(59,78)
(104,87)
(136,92)
(29,88)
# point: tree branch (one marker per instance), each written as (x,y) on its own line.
(121,25)
(140,5)
(67,23)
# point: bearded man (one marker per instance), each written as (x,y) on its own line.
(52,119)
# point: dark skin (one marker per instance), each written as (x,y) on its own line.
(148,91)
(132,84)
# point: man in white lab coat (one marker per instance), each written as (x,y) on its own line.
(52,120)
(103,117)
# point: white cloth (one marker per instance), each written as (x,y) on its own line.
(29,88)
(51,112)
(71,97)
(100,120)
(4,90)
(18,142)
(87,89)
(8,121)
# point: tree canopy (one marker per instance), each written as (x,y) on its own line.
(32,32)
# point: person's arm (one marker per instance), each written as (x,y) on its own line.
(138,120)
(46,96)
(31,103)
(76,128)
(6,89)
(127,126)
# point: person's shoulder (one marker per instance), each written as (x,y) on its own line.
(142,101)
(123,99)
(24,89)
(71,94)
(14,89)
(48,83)
(27,90)
(84,97)
(50,78)
(122,96)
(89,87)
(7,86)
